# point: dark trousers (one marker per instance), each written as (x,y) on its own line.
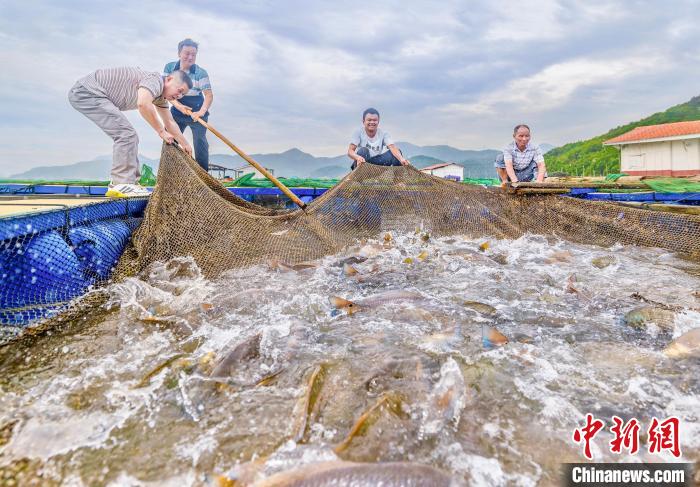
(528,173)
(199,139)
(385,159)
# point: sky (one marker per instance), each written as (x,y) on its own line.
(299,73)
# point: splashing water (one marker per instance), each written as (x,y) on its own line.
(128,397)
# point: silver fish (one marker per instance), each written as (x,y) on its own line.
(336,473)
(686,345)
(375,301)
(246,350)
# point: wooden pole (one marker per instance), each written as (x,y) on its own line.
(245,156)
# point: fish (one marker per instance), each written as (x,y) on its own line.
(387,238)
(572,290)
(408,260)
(484,246)
(425,236)
(308,405)
(602,262)
(484,309)
(375,301)
(353,259)
(279,265)
(559,256)
(339,473)
(446,400)
(422,256)
(349,270)
(686,345)
(245,350)
(157,370)
(389,402)
(492,338)
(642,315)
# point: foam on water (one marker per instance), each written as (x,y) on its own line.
(128,399)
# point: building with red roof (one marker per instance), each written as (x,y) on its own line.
(668,149)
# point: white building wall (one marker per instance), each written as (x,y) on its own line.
(452,170)
(662,157)
(685,154)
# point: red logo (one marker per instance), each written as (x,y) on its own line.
(587,433)
(627,436)
(664,436)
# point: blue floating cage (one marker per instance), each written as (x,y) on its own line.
(49,258)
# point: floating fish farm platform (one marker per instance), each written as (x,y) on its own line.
(58,240)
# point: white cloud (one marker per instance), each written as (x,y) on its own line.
(299,74)
(554,85)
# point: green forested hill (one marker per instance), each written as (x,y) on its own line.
(590,157)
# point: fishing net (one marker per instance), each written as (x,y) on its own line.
(54,265)
(190,213)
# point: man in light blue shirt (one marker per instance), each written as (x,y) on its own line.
(198,99)
(521,160)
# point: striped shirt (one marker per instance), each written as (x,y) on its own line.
(121,85)
(522,159)
(194,97)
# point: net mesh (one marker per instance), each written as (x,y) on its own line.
(54,265)
(190,213)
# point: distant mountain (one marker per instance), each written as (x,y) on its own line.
(546,148)
(330,172)
(590,157)
(96,169)
(424,161)
(291,163)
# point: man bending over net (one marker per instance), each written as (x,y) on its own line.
(521,160)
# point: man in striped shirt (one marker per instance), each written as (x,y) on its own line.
(521,160)
(198,99)
(104,94)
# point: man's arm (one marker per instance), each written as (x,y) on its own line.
(510,171)
(173,129)
(208,98)
(148,111)
(353,155)
(541,168)
(397,153)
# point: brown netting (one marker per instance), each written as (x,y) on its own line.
(190,213)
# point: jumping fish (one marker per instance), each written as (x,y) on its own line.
(245,350)
(349,270)
(492,338)
(391,474)
(686,345)
(375,301)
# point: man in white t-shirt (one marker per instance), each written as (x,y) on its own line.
(373,145)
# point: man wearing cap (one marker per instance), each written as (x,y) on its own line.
(198,99)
